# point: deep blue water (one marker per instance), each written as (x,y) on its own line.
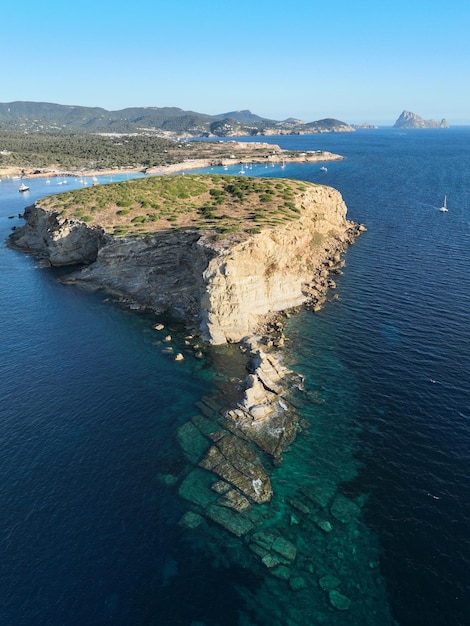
(90,407)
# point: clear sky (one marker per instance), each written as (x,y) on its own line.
(357,61)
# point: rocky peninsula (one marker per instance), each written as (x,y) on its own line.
(220,252)
(229,255)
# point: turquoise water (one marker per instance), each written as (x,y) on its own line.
(90,409)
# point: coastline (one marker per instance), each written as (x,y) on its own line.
(245,153)
(283,157)
(229,483)
(262,422)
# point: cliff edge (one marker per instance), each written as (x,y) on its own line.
(223,284)
(225,254)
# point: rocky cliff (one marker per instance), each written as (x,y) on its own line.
(223,287)
(227,288)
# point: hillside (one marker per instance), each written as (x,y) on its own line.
(48,117)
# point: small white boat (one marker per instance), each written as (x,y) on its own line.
(444,208)
(324,169)
(23,187)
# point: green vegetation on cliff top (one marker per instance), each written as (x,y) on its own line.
(218,203)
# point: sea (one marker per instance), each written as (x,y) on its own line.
(91,403)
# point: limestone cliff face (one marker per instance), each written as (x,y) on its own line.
(222,288)
(274,270)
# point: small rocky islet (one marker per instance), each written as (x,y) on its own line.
(231,264)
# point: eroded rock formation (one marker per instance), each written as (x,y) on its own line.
(223,288)
(230,289)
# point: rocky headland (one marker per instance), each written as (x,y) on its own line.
(228,270)
(222,267)
(228,285)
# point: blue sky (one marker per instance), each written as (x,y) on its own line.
(354,61)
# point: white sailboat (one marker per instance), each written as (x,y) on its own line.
(23,188)
(444,208)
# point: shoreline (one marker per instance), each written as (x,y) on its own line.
(280,156)
(232,451)
(190,164)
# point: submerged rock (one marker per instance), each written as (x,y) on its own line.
(192,442)
(233,522)
(196,488)
(264,538)
(191,520)
(320,493)
(270,560)
(325,525)
(299,506)
(297,583)
(329,582)
(338,601)
(236,463)
(344,510)
(281,572)
(285,548)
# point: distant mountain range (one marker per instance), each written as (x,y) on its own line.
(47,117)
(411,120)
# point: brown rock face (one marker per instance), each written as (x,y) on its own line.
(222,288)
(60,241)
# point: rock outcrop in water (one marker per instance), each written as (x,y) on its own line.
(226,288)
(411,120)
(57,240)
(222,287)
(307,537)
